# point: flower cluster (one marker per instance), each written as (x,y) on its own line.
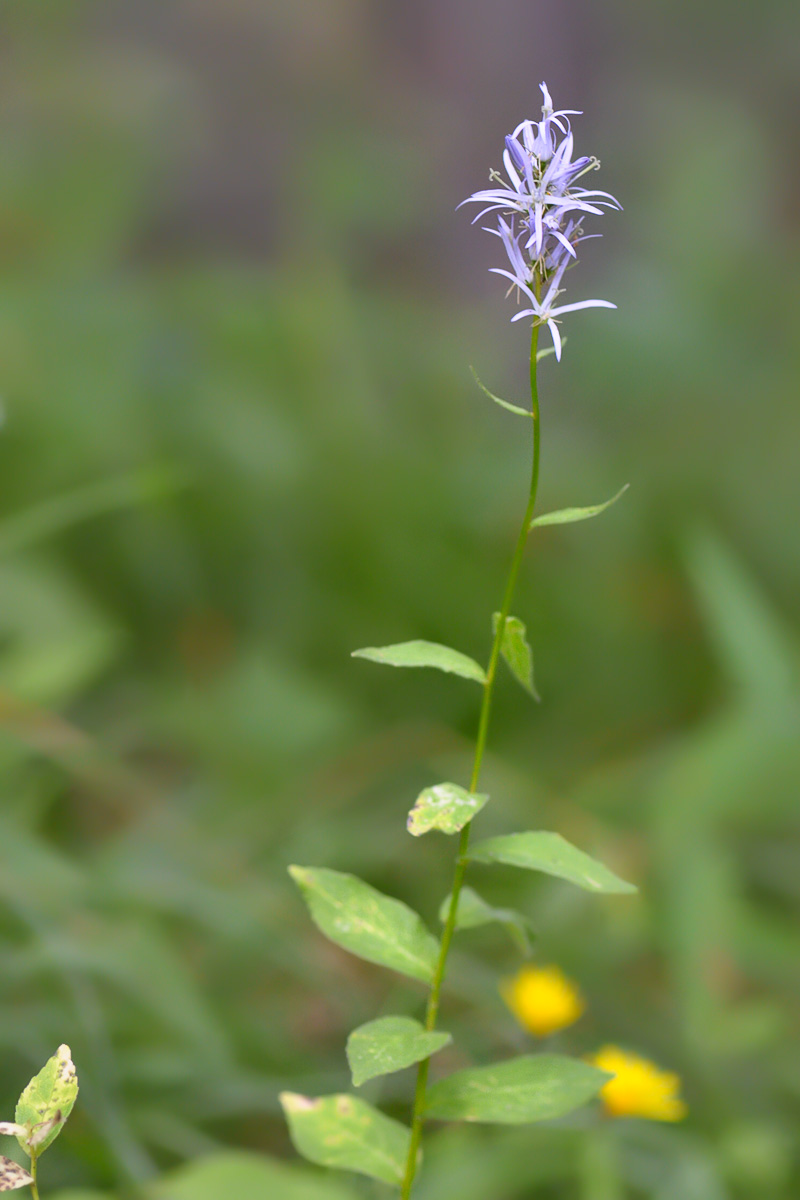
(540,213)
(545,1001)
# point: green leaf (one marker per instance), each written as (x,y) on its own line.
(446,807)
(367,923)
(424,654)
(517,652)
(474,911)
(390,1044)
(12,1175)
(536,1087)
(239,1174)
(514,408)
(565,516)
(345,1132)
(47,1101)
(552,854)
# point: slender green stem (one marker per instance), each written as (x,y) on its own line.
(418,1115)
(34,1185)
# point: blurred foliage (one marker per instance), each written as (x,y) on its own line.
(239,439)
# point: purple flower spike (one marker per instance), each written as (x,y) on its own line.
(540,213)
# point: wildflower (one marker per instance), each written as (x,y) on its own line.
(639,1088)
(539,198)
(542,999)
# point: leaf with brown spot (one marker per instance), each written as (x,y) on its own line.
(47,1101)
(12,1175)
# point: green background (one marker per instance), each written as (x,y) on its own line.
(239,439)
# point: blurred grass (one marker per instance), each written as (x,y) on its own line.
(221,469)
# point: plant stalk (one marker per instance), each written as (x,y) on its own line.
(34,1186)
(418,1114)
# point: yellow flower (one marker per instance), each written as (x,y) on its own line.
(542,999)
(639,1088)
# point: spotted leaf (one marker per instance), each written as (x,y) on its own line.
(47,1101)
(12,1175)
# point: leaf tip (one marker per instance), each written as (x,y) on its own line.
(294,1102)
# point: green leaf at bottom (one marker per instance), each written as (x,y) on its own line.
(390,1044)
(345,1132)
(536,1087)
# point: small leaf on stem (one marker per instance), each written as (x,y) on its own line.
(446,807)
(565,516)
(424,654)
(390,1044)
(517,652)
(514,408)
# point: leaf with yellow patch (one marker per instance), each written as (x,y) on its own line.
(346,1132)
(47,1101)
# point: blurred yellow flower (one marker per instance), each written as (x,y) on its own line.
(542,999)
(639,1088)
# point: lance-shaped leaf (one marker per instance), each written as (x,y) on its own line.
(367,923)
(514,408)
(517,652)
(552,854)
(47,1101)
(12,1175)
(536,1087)
(424,654)
(446,807)
(345,1132)
(390,1044)
(565,516)
(473,911)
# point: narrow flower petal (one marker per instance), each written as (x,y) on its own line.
(517,282)
(556,336)
(564,308)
